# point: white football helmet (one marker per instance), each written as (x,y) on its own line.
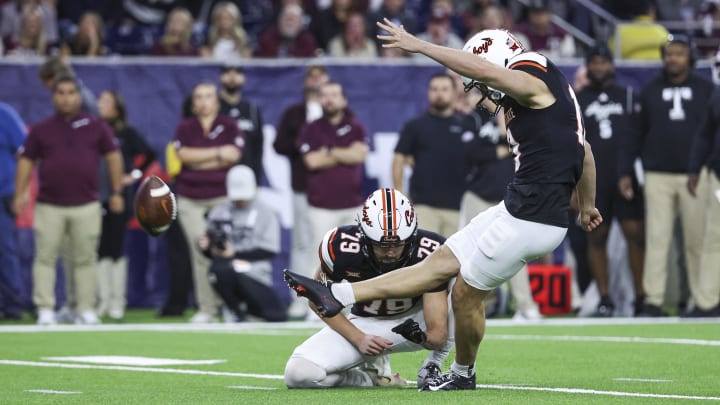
(497,47)
(387,219)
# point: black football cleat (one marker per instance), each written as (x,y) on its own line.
(316,291)
(426,374)
(450,381)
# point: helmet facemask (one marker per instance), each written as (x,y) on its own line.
(488,93)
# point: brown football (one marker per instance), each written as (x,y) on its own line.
(155,206)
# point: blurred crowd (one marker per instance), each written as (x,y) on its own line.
(337,28)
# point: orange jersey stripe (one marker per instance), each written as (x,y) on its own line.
(385,218)
(529,63)
(330,246)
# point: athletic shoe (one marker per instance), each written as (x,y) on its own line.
(529,315)
(66,315)
(450,381)
(46,317)
(87,318)
(702,313)
(426,374)
(605,308)
(638,305)
(652,311)
(317,292)
(202,317)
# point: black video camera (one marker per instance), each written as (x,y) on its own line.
(217,233)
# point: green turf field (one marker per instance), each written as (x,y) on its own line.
(574,361)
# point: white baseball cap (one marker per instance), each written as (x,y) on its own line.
(240,183)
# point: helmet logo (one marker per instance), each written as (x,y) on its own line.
(365,216)
(409,217)
(482,48)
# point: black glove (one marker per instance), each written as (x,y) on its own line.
(411,331)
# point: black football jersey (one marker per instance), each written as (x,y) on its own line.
(341,258)
(548,145)
(607,118)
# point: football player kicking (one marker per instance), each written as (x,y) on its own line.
(546,133)
(354,350)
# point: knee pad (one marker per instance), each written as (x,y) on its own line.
(303,373)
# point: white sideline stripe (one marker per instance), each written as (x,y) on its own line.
(132,361)
(595,392)
(147,369)
(279,328)
(160,191)
(614,339)
(264,328)
(250,387)
(279,377)
(53,392)
(640,379)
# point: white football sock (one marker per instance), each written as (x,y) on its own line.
(439,356)
(343,292)
(465,371)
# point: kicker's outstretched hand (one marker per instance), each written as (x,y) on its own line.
(397,37)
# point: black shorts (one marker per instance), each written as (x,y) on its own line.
(612,204)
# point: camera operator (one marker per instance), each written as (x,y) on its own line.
(242,236)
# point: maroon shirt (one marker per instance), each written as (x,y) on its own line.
(292,121)
(272,45)
(203,184)
(69,154)
(340,186)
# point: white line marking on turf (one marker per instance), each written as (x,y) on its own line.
(250,387)
(641,380)
(595,392)
(132,360)
(147,369)
(278,327)
(616,339)
(280,377)
(53,392)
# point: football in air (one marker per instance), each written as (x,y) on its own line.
(155,206)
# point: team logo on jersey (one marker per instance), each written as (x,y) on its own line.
(80,123)
(482,48)
(216,131)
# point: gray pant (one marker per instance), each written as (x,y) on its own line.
(78,228)
(193,212)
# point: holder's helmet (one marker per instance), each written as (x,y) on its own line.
(387,219)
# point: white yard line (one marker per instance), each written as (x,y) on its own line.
(250,387)
(611,339)
(651,380)
(279,377)
(53,392)
(595,392)
(144,369)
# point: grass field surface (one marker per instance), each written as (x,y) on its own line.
(565,361)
